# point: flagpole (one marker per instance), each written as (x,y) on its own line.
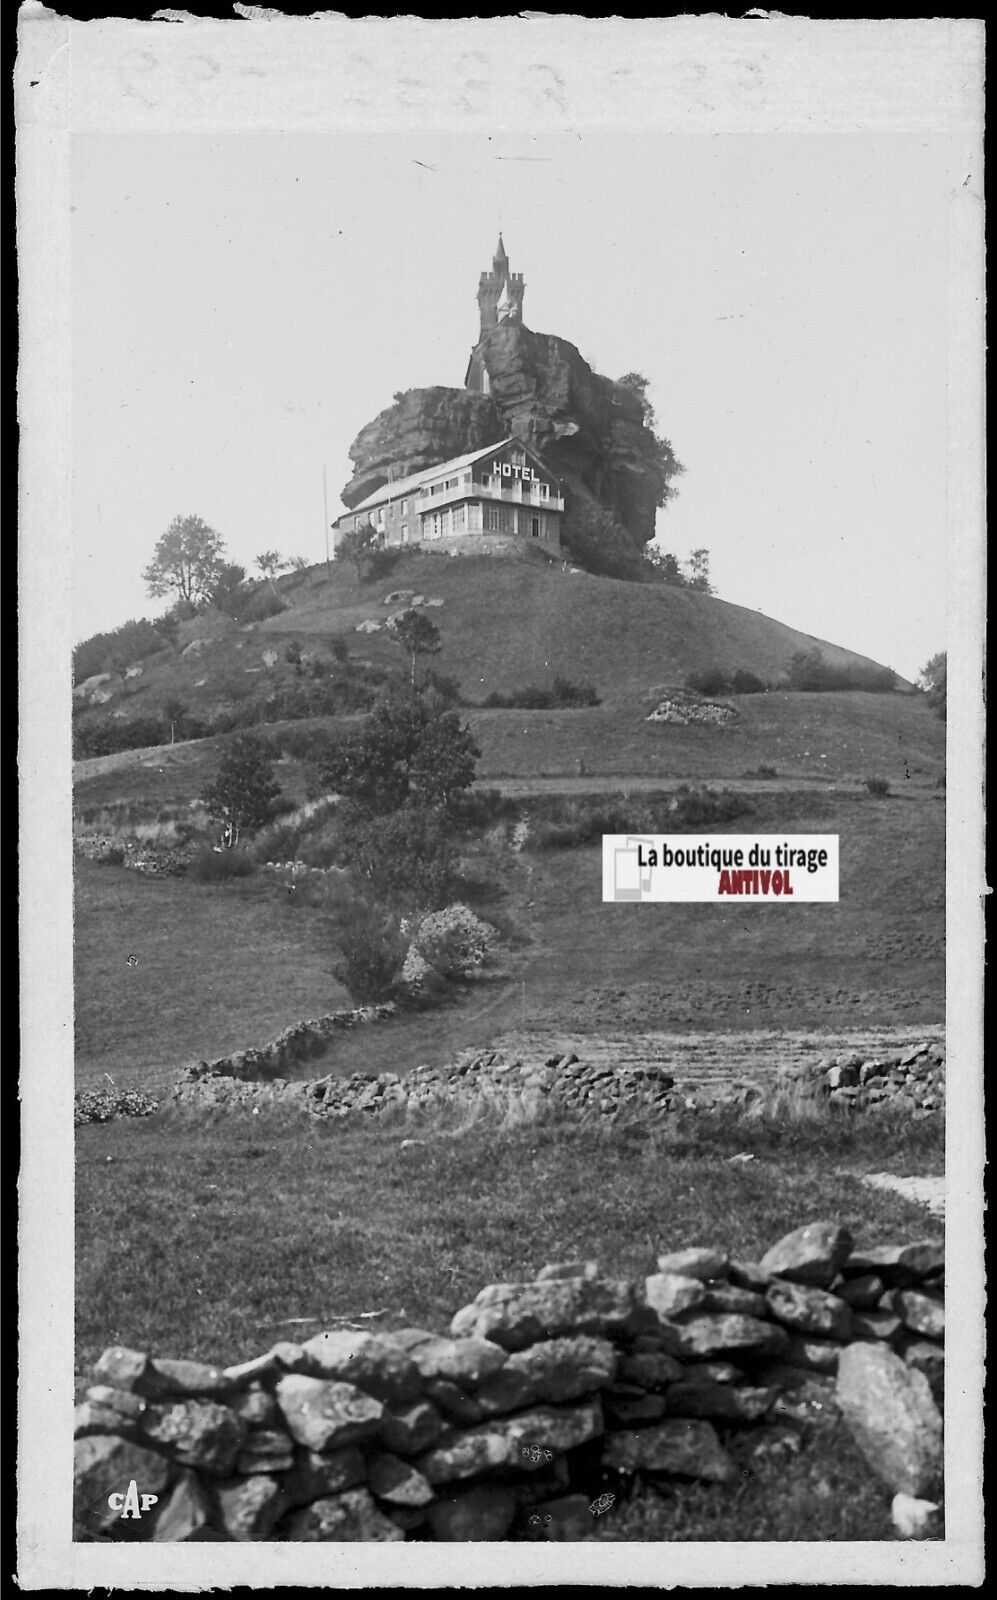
(325,508)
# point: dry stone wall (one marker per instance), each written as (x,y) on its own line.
(912,1079)
(545,1402)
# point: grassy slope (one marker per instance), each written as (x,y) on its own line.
(503,623)
(537,621)
(228,965)
(257,1220)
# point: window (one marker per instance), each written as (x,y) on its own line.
(404,532)
(544,491)
(404,508)
(459,517)
(466,479)
(535,529)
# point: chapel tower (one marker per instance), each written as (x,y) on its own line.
(500,292)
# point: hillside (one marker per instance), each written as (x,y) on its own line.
(506,623)
(503,624)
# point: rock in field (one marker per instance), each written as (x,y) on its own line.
(516,1315)
(669,1293)
(408,1430)
(921,1313)
(326,1415)
(315,1477)
(484,1512)
(695,1263)
(103,1466)
(185,1516)
(680,1449)
(892,1417)
(197,1433)
(506,1441)
(811,1255)
(397,1481)
(349,1517)
(375,1365)
(809,1311)
(719,1335)
(249,1507)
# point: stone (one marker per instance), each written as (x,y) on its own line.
(350,1517)
(120,1368)
(325,1415)
(927,1358)
(505,1441)
(815,1355)
(390,1478)
(503,1392)
(466,1362)
(91,1418)
(485,1512)
(248,1508)
(314,1476)
(809,1311)
(669,1294)
(624,1411)
(256,1407)
(652,1369)
(406,1517)
(726,1402)
(900,1266)
(567,1519)
(915,1519)
(122,1402)
(720,1334)
(810,1255)
(861,1293)
(563,1369)
(568,1269)
(695,1263)
(197,1433)
(185,1515)
(452,1401)
(876,1325)
(718,1371)
(921,1313)
(515,1315)
(374,1364)
(888,1409)
(681,1449)
(730,1297)
(749,1275)
(184,1378)
(408,1430)
(104,1465)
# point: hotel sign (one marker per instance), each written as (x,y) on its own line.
(505,469)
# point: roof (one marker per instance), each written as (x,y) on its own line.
(388,491)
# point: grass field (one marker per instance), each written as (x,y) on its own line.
(225,966)
(271,1226)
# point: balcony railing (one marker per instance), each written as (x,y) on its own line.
(516,494)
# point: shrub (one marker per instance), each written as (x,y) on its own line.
(381,563)
(454,941)
(744,682)
(133,641)
(808,670)
(216,866)
(878,787)
(709,681)
(373,953)
(408,856)
(562,695)
(263,603)
(339,649)
(308,744)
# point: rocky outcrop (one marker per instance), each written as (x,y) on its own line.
(589,430)
(511,1423)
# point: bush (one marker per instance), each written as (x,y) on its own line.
(132,642)
(408,856)
(878,787)
(808,671)
(381,563)
(373,953)
(216,866)
(263,603)
(308,744)
(744,682)
(562,695)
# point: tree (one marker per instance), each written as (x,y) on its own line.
(270,563)
(638,385)
(933,682)
(699,571)
(241,796)
(294,656)
(299,563)
(404,753)
(665,565)
(186,562)
(416,635)
(355,545)
(230,592)
(175,712)
(168,627)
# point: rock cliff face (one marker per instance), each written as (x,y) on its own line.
(588,429)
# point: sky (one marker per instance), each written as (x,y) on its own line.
(243,303)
